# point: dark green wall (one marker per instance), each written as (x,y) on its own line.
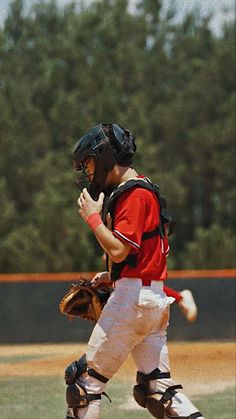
(29,313)
(216,303)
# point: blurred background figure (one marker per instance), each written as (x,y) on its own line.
(185,301)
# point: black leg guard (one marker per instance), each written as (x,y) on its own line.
(141,390)
(162,409)
(69,413)
(76,395)
(157,403)
(75,369)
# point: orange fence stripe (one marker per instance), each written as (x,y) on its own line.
(204,273)
(74,276)
(45,277)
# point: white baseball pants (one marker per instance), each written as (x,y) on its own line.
(134,320)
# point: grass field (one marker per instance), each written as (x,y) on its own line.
(32,385)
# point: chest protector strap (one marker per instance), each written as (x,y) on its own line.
(165,227)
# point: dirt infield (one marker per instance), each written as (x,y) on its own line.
(202,368)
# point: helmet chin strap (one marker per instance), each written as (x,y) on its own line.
(104,163)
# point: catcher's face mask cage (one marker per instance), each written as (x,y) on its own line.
(108,144)
(85,177)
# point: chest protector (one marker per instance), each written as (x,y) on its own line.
(165,227)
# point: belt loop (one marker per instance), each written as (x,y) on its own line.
(146,282)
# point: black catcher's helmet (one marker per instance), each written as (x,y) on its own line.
(108,144)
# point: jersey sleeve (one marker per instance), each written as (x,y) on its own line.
(129,218)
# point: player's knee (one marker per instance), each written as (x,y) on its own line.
(142,391)
(75,370)
(79,379)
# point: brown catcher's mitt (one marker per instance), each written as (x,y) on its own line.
(85,301)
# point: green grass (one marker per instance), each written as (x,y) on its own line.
(17,358)
(218,405)
(44,398)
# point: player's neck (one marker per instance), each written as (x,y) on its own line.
(127,174)
(121,174)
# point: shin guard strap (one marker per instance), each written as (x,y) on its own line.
(98,376)
(157,375)
(154,375)
(91,397)
(169,393)
(195,415)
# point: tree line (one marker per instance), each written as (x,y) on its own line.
(62,71)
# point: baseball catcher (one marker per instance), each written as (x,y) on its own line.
(84,300)
(135,317)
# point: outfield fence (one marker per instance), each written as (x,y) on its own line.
(30,313)
(70,276)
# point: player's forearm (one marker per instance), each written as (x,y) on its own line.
(90,212)
(116,250)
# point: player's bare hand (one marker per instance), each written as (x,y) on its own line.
(102,278)
(87,205)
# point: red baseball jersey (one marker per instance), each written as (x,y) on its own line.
(138,211)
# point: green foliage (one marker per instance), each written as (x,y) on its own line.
(214,247)
(63,70)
